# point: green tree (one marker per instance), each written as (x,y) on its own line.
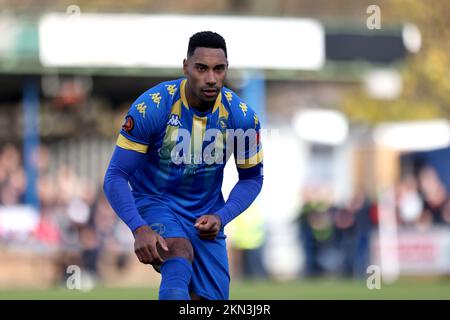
(426,75)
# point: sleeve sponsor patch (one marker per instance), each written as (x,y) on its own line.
(129,124)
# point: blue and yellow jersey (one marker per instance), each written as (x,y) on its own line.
(186,150)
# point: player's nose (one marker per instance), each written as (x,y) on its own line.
(211,78)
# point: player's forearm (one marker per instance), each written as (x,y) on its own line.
(117,190)
(241,197)
(119,196)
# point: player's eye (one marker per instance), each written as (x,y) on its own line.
(220,68)
(201,68)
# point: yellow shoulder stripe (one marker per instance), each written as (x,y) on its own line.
(130,145)
(183,93)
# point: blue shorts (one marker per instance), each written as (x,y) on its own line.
(210,278)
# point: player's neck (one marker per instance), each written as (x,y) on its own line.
(202,107)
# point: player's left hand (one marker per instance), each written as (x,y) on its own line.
(208,226)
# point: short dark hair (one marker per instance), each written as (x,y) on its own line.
(206,39)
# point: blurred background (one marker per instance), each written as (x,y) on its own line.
(354,100)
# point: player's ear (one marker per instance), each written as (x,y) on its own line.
(185,67)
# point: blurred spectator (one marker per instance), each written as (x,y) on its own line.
(409,200)
(316,229)
(358,257)
(434,193)
(12,176)
(335,239)
(247,237)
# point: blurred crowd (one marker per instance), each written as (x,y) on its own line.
(422,201)
(75,220)
(335,239)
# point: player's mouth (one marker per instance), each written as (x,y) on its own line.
(210,93)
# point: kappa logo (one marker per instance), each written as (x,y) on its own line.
(174,121)
(171,88)
(141,108)
(244,108)
(228,95)
(156,97)
(255,117)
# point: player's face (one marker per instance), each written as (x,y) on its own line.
(206,71)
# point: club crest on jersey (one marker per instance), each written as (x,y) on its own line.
(222,124)
(174,121)
(159,228)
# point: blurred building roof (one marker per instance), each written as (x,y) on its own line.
(348,49)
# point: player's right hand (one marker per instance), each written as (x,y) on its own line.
(146,243)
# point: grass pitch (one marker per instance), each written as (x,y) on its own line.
(262,290)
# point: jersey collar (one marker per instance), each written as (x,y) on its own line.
(184,100)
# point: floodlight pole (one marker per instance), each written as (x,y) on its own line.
(31,138)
